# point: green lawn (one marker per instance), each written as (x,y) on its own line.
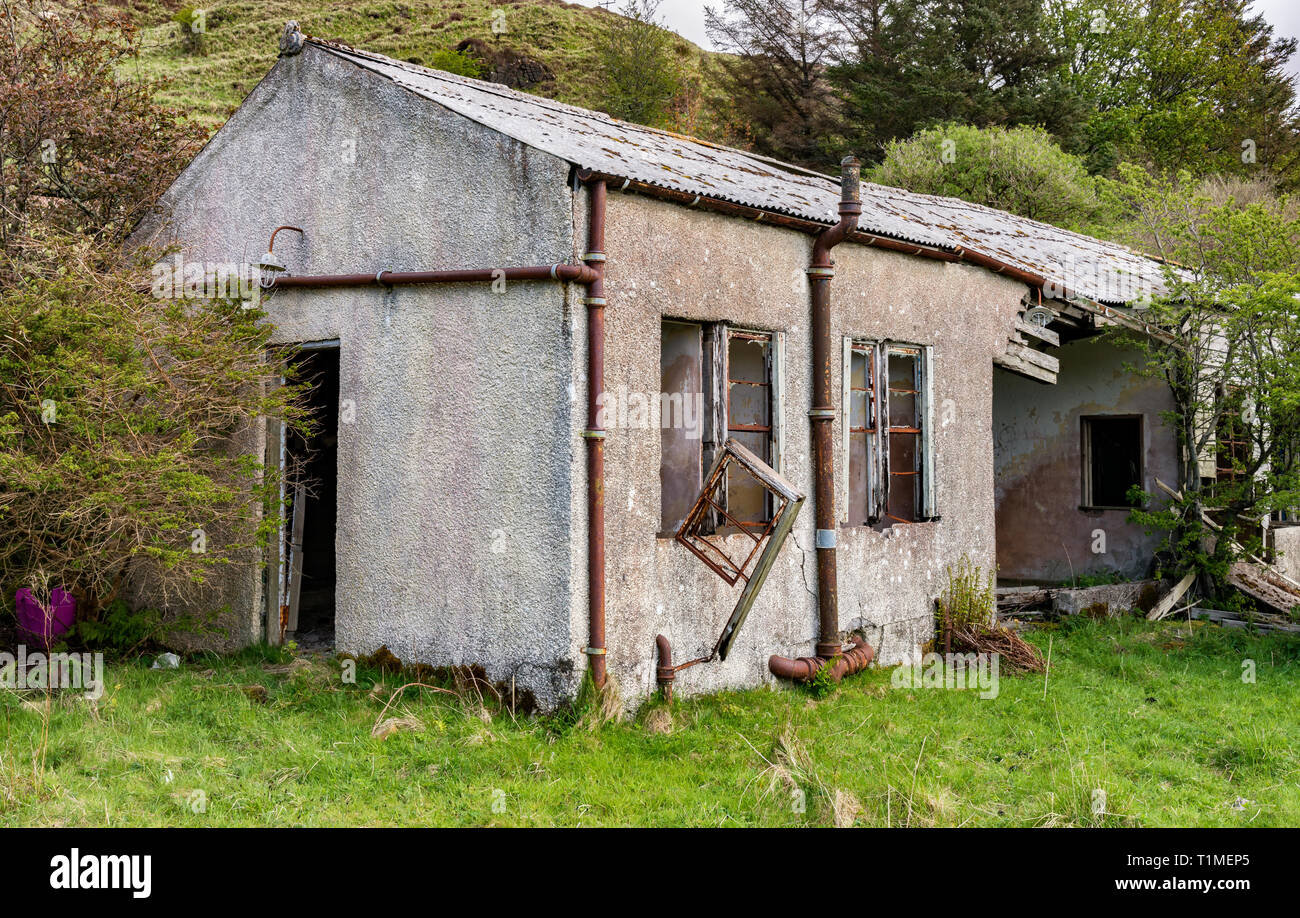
(1155,716)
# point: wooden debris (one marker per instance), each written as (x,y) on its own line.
(1167,602)
(1262,623)
(1264,585)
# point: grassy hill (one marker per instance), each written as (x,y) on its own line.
(552,43)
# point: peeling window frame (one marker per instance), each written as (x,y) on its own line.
(716,337)
(878,428)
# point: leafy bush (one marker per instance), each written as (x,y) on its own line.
(457,62)
(968,601)
(1019,170)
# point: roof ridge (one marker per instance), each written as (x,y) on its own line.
(509,92)
(677,163)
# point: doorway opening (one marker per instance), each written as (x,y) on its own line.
(311,464)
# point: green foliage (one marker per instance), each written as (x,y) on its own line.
(121,628)
(822,685)
(912,64)
(640,70)
(1019,170)
(192,27)
(1083,581)
(968,600)
(114,408)
(1233,362)
(1200,85)
(457,62)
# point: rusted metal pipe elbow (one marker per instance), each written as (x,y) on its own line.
(804,669)
(850,211)
(665,674)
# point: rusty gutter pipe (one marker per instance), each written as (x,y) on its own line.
(830,648)
(846,663)
(579,274)
(861,237)
(594,258)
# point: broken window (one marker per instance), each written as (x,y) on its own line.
(1233,449)
(754,557)
(888,437)
(735,375)
(681,387)
(1112,460)
(749,421)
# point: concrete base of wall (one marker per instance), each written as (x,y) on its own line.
(1109,600)
(1286,542)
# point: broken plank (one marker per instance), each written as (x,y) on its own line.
(1024,368)
(1046,335)
(1255,581)
(1166,604)
(1037,358)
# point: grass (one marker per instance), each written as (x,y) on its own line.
(240,43)
(1153,714)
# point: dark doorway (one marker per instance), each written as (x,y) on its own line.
(313,462)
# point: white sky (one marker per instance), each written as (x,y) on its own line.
(686,17)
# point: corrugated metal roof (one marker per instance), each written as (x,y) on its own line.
(1101,271)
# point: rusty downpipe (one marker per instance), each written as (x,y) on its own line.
(830,649)
(665,674)
(594,258)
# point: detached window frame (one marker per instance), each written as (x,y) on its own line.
(872,421)
(1088,467)
(719,387)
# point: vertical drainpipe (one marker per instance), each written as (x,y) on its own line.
(822,415)
(595,432)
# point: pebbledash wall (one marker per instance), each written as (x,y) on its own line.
(462,519)
(1044,535)
(456,476)
(667,261)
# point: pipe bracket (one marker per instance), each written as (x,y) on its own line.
(826,538)
(594,651)
(594,434)
(594,300)
(822,414)
(594,256)
(820,272)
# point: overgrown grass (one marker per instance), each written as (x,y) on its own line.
(240,43)
(1156,716)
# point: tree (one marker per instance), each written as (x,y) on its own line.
(1020,170)
(117,408)
(776,77)
(118,403)
(81,146)
(1231,357)
(1196,85)
(911,64)
(641,77)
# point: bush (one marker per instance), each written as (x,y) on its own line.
(1019,170)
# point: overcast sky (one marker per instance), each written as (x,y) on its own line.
(686,17)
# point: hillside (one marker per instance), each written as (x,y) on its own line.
(548,47)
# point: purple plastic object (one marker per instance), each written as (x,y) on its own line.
(35,625)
